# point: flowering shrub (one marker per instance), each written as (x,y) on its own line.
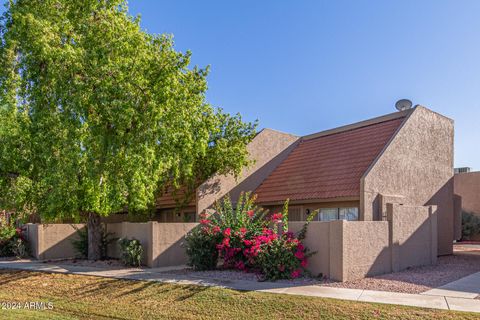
(12,239)
(283,256)
(247,239)
(201,248)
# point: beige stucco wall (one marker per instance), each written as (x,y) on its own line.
(268,149)
(413,235)
(162,242)
(131,230)
(365,249)
(417,167)
(318,239)
(349,250)
(168,239)
(467,186)
(53,241)
(345,250)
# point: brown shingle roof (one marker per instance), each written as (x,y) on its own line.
(167,199)
(328,166)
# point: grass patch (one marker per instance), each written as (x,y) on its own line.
(84,297)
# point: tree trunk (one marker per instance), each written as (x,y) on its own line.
(94,227)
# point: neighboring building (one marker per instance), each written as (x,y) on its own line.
(462,170)
(467,186)
(350,172)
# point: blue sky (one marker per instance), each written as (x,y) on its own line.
(305,66)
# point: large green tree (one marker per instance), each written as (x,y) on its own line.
(98,116)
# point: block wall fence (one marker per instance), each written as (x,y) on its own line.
(345,250)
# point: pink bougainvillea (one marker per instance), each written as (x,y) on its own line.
(249,240)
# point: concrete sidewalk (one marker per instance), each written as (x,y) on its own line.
(161,275)
(467,287)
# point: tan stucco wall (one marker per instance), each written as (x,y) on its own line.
(413,235)
(365,249)
(417,165)
(53,241)
(349,250)
(131,230)
(467,186)
(268,149)
(161,241)
(345,250)
(168,238)
(318,239)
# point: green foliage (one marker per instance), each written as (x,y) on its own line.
(81,244)
(19,248)
(277,260)
(248,239)
(244,215)
(12,240)
(285,216)
(201,249)
(132,252)
(7,229)
(303,232)
(470,225)
(97,115)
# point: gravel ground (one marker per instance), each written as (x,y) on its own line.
(413,280)
(419,279)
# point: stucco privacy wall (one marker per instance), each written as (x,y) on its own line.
(167,239)
(161,241)
(346,250)
(349,250)
(416,167)
(52,241)
(140,231)
(268,149)
(413,235)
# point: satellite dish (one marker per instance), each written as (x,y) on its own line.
(403,104)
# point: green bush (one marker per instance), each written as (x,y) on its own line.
(81,245)
(131,252)
(201,249)
(470,225)
(245,220)
(19,248)
(12,240)
(247,239)
(283,256)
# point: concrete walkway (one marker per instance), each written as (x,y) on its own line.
(467,287)
(437,301)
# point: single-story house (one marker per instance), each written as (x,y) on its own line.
(350,172)
(383,187)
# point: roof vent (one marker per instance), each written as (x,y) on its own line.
(403,104)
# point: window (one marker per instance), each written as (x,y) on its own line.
(350,214)
(330,214)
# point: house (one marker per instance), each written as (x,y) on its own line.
(350,172)
(467,198)
(384,189)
